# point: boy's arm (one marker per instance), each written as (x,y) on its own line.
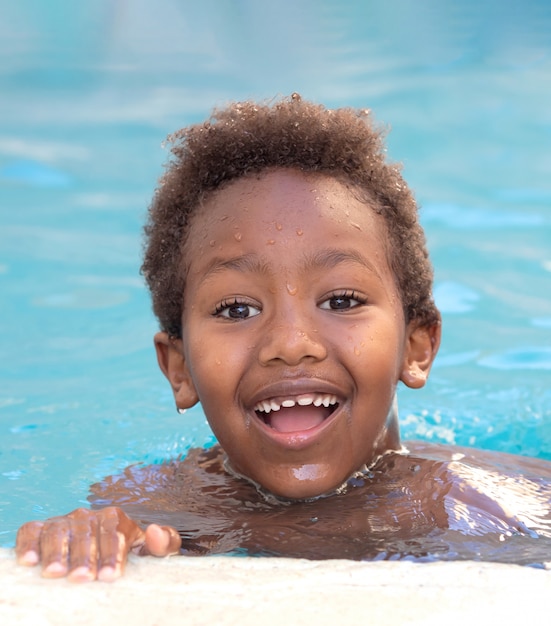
(87,545)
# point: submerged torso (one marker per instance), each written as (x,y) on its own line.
(431,503)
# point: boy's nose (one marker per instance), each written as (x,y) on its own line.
(291,339)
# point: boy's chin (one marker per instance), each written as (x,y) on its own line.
(293,480)
(300,483)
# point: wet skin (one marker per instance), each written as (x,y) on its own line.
(290,299)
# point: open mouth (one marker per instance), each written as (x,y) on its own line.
(296,413)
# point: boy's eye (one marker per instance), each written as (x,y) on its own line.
(342,302)
(236,310)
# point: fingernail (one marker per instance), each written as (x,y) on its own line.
(80,575)
(29,558)
(54,570)
(108,574)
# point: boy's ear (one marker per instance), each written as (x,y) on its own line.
(421,348)
(170,356)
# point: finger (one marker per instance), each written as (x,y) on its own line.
(116,533)
(83,553)
(27,543)
(160,541)
(54,547)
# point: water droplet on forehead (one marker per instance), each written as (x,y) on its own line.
(292,289)
(237,236)
(300,232)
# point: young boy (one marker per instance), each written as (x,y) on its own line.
(291,280)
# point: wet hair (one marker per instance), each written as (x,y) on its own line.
(248,138)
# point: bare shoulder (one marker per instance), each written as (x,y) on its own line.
(491,492)
(171,482)
(488,460)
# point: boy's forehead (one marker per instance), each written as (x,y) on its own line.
(287,193)
(285,211)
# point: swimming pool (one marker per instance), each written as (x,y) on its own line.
(89,93)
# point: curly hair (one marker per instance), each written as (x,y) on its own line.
(247,138)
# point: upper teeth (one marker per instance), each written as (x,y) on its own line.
(317,399)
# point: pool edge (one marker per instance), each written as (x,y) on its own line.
(230,590)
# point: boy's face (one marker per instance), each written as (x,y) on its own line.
(293,331)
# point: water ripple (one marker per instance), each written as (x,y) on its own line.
(453,297)
(466,218)
(522,358)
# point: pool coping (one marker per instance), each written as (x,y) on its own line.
(249,591)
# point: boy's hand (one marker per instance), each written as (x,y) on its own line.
(88,545)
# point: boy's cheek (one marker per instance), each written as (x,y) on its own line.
(219,358)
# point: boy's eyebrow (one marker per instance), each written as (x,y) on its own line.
(326,258)
(331,257)
(245,263)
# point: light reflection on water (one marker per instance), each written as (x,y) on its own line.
(89,92)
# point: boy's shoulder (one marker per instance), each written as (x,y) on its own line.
(489,491)
(172,484)
(492,461)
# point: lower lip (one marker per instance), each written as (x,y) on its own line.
(298,439)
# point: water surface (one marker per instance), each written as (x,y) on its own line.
(90,90)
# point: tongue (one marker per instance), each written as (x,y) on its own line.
(293,419)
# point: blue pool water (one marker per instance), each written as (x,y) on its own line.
(88,93)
